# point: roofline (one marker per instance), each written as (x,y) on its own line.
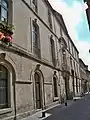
(65,29)
(83,62)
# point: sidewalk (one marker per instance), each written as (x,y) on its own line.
(38,115)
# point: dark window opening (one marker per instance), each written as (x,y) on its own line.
(3,87)
(53,51)
(55,87)
(49,18)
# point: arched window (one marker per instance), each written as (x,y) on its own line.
(4,88)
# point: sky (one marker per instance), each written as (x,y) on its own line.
(74,15)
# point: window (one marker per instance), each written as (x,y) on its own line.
(49,18)
(55,87)
(4,10)
(36,39)
(34,5)
(71,61)
(74,65)
(64,55)
(77,84)
(4,97)
(53,51)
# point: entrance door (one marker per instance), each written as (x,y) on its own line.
(73,82)
(55,87)
(38,90)
(67,88)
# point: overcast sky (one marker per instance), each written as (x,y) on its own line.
(74,15)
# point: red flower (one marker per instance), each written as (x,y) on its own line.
(9,38)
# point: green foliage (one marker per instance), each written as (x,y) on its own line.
(6,28)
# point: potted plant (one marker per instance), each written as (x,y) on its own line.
(6,32)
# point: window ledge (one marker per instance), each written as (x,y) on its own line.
(7,110)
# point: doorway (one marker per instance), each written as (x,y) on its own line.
(73,84)
(67,88)
(38,90)
(55,87)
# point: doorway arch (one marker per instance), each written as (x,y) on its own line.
(38,87)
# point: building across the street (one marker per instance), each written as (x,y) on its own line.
(85,76)
(40,67)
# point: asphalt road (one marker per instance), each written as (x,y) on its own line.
(79,110)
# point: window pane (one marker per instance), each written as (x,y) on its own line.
(34,2)
(4,12)
(3,99)
(55,87)
(34,39)
(3,83)
(4,3)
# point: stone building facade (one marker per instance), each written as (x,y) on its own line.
(69,63)
(41,68)
(88,80)
(84,76)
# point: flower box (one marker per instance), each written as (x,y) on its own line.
(6,32)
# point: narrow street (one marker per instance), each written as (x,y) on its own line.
(79,110)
